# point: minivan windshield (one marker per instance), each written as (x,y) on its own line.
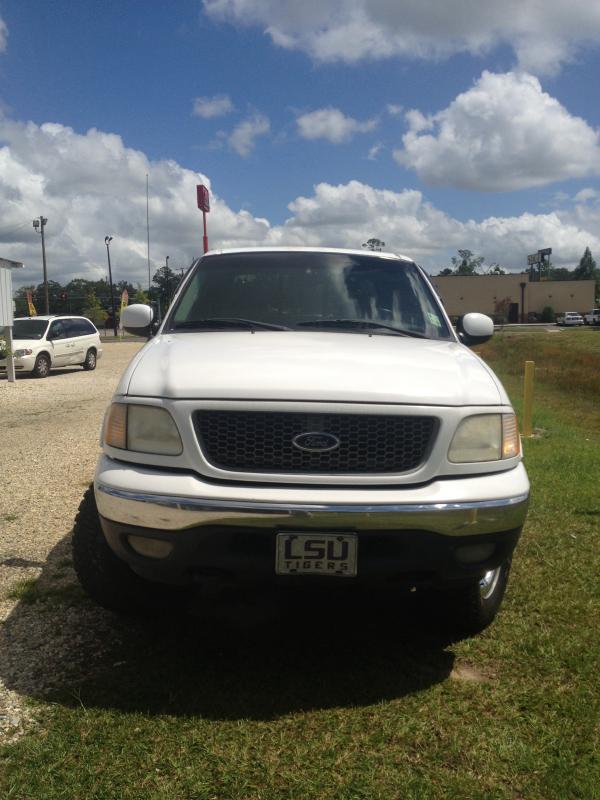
(309,291)
(29,328)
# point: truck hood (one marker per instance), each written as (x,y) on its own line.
(323,366)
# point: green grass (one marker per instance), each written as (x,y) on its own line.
(31,591)
(365,710)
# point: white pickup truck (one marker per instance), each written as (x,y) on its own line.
(593,318)
(305,417)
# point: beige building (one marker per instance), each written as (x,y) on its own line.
(512,297)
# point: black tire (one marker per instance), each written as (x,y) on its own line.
(42,366)
(90,360)
(472,606)
(107,579)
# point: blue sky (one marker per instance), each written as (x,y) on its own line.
(346,119)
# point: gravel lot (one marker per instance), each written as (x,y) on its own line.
(48,453)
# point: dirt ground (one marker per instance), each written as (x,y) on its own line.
(49,431)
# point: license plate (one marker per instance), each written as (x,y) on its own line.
(333,554)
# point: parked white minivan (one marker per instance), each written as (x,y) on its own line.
(47,342)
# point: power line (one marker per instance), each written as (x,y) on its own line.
(12,229)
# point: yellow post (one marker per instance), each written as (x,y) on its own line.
(528,398)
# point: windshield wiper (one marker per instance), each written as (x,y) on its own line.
(366,324)
(226,322)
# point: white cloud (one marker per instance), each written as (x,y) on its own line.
(542,35)
(504,133)
(585,195)
(331,124)
(90,185)
(3,35)
(374,151)
(394,110)
(243,138)
(348,214)
(209,107)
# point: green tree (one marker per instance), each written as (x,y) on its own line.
(120,287)
(467,263)
(586,270)
(547,314)
(165,283)
(560,274)
(374,244)
(496,269)
(78,291)
(140,296)
(93,309)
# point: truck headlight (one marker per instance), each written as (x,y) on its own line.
(485,437)
(143,429)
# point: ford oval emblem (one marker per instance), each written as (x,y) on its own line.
(316,442)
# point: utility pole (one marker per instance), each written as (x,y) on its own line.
(167,279)
(39,224)
(107,241)
(148,238)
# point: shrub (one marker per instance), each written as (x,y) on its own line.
(548,314)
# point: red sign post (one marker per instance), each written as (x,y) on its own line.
(204,206)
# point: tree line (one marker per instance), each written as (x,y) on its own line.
(92,298)
(467,263)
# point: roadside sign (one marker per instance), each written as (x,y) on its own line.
(204,206)
(203,198)
(533,259)
(30,306)
(547,251)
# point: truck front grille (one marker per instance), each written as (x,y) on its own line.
(263,441)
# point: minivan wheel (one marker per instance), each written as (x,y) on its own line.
(42,366)
(107,579)
(90,360)
(474,605)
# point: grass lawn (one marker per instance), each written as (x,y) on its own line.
(354,700)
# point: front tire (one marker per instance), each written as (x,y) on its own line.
(42,366)
(107,579)
(90,360)
(474,605)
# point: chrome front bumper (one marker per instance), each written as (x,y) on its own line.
(135,496)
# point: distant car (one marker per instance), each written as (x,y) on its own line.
(593,318)
(570,319)
(43,343)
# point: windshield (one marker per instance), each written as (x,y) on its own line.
(29,328)
(304,290)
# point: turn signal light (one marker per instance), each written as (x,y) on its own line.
(115,430)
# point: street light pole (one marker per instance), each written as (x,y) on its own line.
(107,241)
(40,223)
(167,279)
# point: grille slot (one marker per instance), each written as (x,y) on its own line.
(261,441)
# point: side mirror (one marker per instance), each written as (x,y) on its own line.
(137,319)
(474,329)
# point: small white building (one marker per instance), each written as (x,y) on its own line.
(6,307)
